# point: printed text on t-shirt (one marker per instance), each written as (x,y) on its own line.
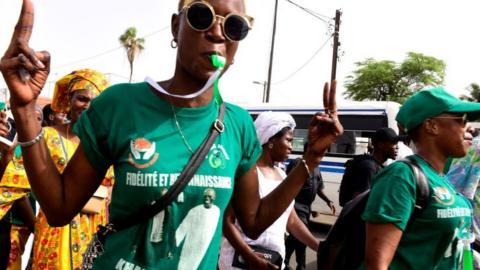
(155,179)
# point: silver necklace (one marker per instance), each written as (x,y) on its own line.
(179,129)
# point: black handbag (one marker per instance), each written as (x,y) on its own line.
(270,255)
(96,246)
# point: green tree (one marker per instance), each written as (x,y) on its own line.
(133,46)
(474,93)
(387,80)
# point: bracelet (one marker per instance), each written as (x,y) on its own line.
(34,141)
(306,166)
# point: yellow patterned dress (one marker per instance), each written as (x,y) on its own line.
(14,186)
(18,238)
(63,247)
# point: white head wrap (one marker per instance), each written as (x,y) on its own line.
(270,123)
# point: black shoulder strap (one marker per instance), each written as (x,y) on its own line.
(195,160)
(423,189)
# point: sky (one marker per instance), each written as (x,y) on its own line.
(86,36)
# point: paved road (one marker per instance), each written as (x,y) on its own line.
(311,262)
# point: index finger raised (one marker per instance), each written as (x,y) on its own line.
(326,97)
(23,28)
(332,100)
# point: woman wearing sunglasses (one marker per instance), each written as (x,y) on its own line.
(150,145)
(399,234)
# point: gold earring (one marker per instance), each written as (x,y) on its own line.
(270,145)
(173,44)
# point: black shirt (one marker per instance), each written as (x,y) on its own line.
(358,175)
(312,186)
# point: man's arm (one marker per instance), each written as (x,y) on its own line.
(329,202)
(318,177)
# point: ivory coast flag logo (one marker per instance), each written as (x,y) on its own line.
(142,153)
(443,196)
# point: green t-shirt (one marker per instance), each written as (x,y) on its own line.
(132,128)
(432,236)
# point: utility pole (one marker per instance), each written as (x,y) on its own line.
(336,44)
(269,80)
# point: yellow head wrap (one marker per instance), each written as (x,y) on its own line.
(84,79)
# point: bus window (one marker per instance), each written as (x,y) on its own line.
(299,139)
(363,144)
(351,143)
(354,141)
(345,144)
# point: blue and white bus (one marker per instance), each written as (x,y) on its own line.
(359,120)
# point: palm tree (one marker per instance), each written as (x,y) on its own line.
(133,46)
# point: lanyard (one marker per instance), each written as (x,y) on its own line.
(207,85)
(217,61)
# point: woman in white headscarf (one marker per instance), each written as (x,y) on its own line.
(275,132)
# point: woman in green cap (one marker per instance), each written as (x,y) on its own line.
(433,237)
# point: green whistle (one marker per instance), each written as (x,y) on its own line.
(219,63)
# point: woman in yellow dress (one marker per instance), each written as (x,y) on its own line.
(17,212)
(15,193)
(63,247)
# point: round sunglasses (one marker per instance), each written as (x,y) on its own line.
(201,17)
(461,119)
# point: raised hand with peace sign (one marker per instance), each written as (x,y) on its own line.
(25,71)
(324,127)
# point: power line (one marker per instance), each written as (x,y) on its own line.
(107,51)
(317,15)
(88,58)
(158,31)
(304,65)
(328,18)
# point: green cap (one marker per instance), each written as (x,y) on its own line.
(432,102)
